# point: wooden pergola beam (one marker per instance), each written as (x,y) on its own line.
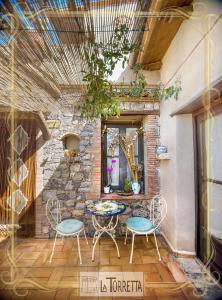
(164,22)
(34,115)
(42,125)
(150,23)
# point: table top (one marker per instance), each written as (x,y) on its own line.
(107,208)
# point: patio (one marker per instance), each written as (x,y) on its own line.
(61,276)
(110,110)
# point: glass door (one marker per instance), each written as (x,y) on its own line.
(209,208)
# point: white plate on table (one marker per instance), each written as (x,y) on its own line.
(106,206)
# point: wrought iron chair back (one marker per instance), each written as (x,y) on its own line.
(157,210)
(53,212)
(54,216)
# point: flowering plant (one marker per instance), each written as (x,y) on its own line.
(109,172)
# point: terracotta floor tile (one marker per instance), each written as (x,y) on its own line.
(23,248)
(39,272)
(55,278)
(150,252)
(146,268)
(110,268)
(119,261)
(30,255)
(62,294)
(71,278)
(149,259)
(63,273)
(63,254)
(42,259)
(38,294)
(92,269)
(104,261)
(69,282)
(69,271)
(57,247)
(72,260)
(75,295)
(149,294)
(152,277)
(5,264)
(127,268)
(164,272)
(164,253)
(25,262)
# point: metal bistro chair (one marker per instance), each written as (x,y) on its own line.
(144,226)
(66,227)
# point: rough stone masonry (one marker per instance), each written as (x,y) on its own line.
(71,180)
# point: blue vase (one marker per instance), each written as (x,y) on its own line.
(136,188)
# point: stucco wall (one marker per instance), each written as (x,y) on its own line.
(186,57)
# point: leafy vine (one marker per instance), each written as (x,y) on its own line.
(101,100)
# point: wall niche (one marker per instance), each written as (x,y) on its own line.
(71,143)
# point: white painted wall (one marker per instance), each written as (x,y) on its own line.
(127,75)
(186,57)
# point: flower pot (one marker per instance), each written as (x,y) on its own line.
(106,189)
(136,188)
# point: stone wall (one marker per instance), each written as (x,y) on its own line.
(67,179)
(73,181)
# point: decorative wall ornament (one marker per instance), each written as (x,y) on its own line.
(19,139)
(21,172)
(17,201)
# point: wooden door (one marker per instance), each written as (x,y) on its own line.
(18,172)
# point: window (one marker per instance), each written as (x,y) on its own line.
(114,157)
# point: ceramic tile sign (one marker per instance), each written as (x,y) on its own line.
(111,284)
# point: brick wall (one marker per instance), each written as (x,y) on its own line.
(95,189)
(151,164)
(39,208)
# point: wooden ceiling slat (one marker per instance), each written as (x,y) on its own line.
(161,32)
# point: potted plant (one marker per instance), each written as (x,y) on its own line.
(127,187)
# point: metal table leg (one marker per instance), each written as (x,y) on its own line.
(100,230)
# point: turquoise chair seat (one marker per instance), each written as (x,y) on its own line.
(139,224)
(69,226)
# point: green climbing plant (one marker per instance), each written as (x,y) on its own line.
(101,100)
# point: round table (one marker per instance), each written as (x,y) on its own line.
(107,209)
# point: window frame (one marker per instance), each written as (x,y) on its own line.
(122,159)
